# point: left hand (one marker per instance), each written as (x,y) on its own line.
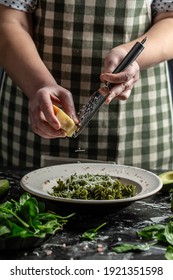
(123,81)
(42,118)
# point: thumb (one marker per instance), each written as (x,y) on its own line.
(69,107)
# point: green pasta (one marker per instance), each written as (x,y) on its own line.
(92,187)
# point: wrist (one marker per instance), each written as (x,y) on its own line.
(30,89)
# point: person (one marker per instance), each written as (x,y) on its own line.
(60,52)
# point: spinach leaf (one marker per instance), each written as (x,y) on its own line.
(15,216)
(155,232)
(91,233)
(126,247)
(158,233)
(18,231)
(27,218)
(4,230)
(24,198)
(169,253)
(169,232)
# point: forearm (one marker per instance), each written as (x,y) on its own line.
(158,47)
(20,59)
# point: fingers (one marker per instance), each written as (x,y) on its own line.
(41,113)
(123,82)
(116,78)
(47,109)
(67,104)
(44,130)
(41,127)
(121,91)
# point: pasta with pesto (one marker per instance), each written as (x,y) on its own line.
(92,187)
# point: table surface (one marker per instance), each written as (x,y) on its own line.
(121,227)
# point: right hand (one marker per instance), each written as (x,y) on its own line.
(123,81)
(42,117)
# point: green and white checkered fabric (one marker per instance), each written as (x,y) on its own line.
(73,37)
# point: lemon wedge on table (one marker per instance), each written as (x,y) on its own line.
(167,180)
(4,186)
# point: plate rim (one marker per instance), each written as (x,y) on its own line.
(89,202)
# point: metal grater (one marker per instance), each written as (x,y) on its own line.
(97,99)
(89,110)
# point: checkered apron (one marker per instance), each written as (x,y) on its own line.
(73,38)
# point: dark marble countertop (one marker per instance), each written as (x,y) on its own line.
(121,227)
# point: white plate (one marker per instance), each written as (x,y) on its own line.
(41,181)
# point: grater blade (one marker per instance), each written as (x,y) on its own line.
(89,110)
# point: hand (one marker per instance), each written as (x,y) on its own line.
(42,118)
(123,81)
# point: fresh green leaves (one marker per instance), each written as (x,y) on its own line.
(169,253)
(91,233)
(27,218)
(169,232)
(156,234)
(122,248)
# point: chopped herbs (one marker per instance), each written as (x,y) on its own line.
(92,187)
